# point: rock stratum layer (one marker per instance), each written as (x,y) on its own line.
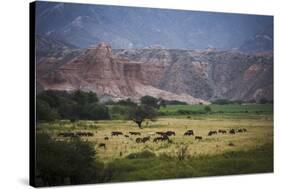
(192,76)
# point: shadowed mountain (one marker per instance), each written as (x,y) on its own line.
(260,42)
(130,27)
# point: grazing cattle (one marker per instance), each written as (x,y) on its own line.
(222,131)
(126,136)
(116,133)
(106,138)
(85,134)
(138,140)
(212,133)
(135,133)
(68,134)
(61,134)
(232,131)
(231,144)
(170,133)
(89,134)
(157,139)
(161,133)
(198,138)
(188,133)
(245,130)
(240,131)
(162,138)
(145,139)
(102,145)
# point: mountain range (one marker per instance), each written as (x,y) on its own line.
(129,27)
(125,52)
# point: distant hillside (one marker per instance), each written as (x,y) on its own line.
(260,42)
(127,27)
(191,76)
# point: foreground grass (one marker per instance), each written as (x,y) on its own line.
(257,160)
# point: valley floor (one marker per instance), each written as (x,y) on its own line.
(183,156)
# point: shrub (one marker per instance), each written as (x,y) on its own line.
(65,162)
(182,153)
(141,155)
(207,109)
(44,112)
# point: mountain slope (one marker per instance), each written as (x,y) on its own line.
(208,74)
(98,69)
(130,27)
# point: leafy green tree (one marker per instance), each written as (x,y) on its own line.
(139,113)
(92,97)
(263,101)
(94,112)
(80,97)
(44,112)
(127,102)
(221,101)
(207,109)
(150,101)
(65,162)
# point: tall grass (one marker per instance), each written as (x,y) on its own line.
(258,160)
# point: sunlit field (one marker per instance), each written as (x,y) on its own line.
(250,151)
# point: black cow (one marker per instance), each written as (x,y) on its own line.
(162,138)
(106,138)
(240,131)
(170,133)
(116,133)
(161,133)
(145,139)
(188,133)
(135,133)
(198,138)
(222,131)
(102,145)
(212,133)
(68,134)
(138,140)
(232,131)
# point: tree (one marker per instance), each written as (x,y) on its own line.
(150,101)
(65,162)
(44,112)
(139,113)
(80,97)
(207,109)
(263,101)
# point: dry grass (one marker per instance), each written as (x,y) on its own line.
(260,132)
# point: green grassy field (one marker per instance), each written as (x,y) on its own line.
(247,152)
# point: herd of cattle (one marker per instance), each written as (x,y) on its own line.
(76,134)
(162,136)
